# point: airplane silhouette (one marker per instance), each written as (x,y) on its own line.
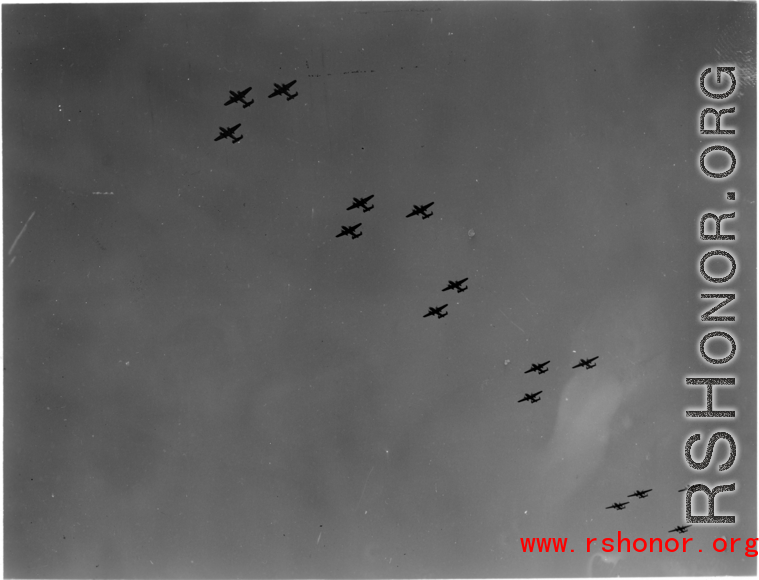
(640,494)
(680,529)
(456,285)
(282,90)
(350,230)
(229,132)
(585,362)
(239,97)
(539,368)
(437,310)
(361,203)
(420,210)
(618,506)
(530,397)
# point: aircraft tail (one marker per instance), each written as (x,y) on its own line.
(237,139)
(291,97)
(368,208)
(246,105)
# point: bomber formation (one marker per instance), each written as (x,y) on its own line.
(417,210)
(643,494)
(542,368)
(239,97)
(439,311)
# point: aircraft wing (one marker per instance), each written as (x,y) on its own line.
(222,136)
(245,92)
(276,92)
(536,394)
(523,399)
(530,371)
(464,280)
(578,365)
(428,206)
(230,101)
(430,313)
(590,361)
(288,85)
(354,205)
(235,128)
(368,198)
(413,213)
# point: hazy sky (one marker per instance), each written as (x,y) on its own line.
(201,380)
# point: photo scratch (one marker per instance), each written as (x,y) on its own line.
(512,322)
(20,234)
(515,324)
(364,489)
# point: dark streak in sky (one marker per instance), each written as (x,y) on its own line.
(409,10)
(353,72)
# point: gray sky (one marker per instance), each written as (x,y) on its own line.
(202,381)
